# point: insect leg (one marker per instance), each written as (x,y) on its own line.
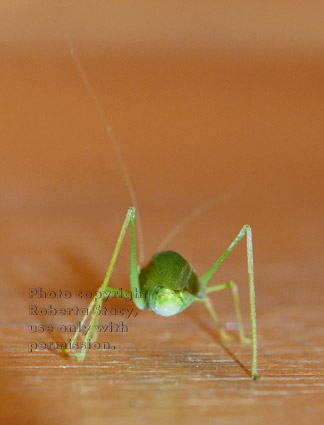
(139,300)
(233,287)
(111,293)
(96,302)
(245,231)
(225,336)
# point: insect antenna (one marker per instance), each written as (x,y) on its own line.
(184,222)
(196,213)
(108,129)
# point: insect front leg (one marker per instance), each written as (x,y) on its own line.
(245,231)
(233,287)
(225,336)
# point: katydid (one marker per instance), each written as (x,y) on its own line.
(168,284)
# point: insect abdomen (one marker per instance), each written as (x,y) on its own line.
(170,284)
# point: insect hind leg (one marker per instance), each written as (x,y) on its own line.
(245,231)
(96,302)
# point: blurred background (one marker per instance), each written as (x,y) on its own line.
(209,100)
(216,100)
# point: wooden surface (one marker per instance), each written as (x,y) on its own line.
(245,132)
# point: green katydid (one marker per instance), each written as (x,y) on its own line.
(168,284)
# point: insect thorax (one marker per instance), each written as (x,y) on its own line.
(170,284)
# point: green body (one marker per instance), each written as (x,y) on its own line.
(169,284)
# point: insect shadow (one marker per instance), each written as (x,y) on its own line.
(208,329)
(81,274)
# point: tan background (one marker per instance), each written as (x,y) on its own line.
(216,100)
